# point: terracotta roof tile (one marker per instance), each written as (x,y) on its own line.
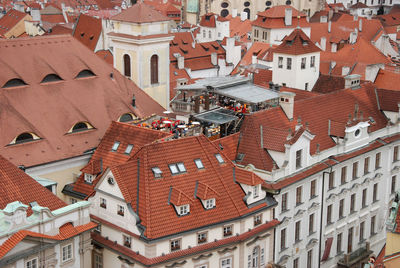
(106,55)
(296,43)
(228,145)
(10,20)
(36,108)
(388,79)
(208,20)
(328,83)
(275,18)
(160,218)
(140,13)
(388,100)
(88,30)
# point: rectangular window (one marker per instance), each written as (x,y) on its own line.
(228,230)
(183,210)
(280,62)
(375,193)
(219,158)
(255,33)
(181,167)
(297,231)
(312,62)
(350,240)
(341,208)
(395,153)
(289,63)
(298,159)
(284,202)
(309,258)
(352,202)
(296,263)
(103,203)
(339,243)
(98,260)
(306,86)
(329,215)
(362,226)
(298,195)
(198,163)
(115,146)
(343,175)
(204,33)
(66,252)
(332,180)
(127,241)
(32,263)
(226,263)
(175,244)
(120,210)
(73,200)
(364,198)
(393,185)
(311,224)
(303,63)
(128,149)
(201,237)
(265,35)
(157,172)
(173,168)
(366,165)
(257,219)
(255,191)
(262,257)
(283,239)
(372,231)
(210,203)
(312,188)
(355,170)
(377,160)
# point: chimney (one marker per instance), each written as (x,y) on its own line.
(243,16)
(353,37)
(64,13)
(214,60)
(352,81)
(323,19)
(261,137)
(35,14)
(288,16)
(286,101)
(234,13)
(360,25)
(330,14)
(323,43)
(254,58)
(329,26)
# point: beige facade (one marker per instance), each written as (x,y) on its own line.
(18,29)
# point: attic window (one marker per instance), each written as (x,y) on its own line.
(181,167)
(81,126)
(198,163)
(15,82)
(51,78)
(209,203)
(239,157)
(126,117)
(183,210)
(91,37)
(85,73)
(128,149)
(25,137)
(82,34)
(219,158)
(115,146)
(157,172)
(88,178)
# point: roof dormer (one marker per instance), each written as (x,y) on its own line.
(180,201)
(206,194)
(251,185)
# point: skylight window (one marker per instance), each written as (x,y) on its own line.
(181,167)
(115,146)
(198,163)
(157,172)
(173,168)
(128,149)
(219,158)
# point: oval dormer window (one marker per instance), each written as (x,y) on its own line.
(15,82)
(110,180)
(51,78)
(85,73)
(357,133)
(128,117)
(81,126)
(25,137)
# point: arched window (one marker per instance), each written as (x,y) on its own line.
(224,12)
(247,10)
(85,73)
(80,126)
(51,78)
(15,82)
(127,65)
(24,137)
(126,117)
(154,69)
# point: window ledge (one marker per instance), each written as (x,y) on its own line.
(330,189)
(297,241)
(340,253)
(362,241)
(299,204)
(312,197)
(283,249)
(284,211)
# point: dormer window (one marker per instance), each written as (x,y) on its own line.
(174,169)
(81,126)
(51,78)
(128,149)
(25,137)
(183,210)
(126,118)
(181,167)
(115,146)
(210,203)
(89,178)
(15,82)
(219,158)
(298,159)
(198,163)
(157,172)
(255,191)
(85,73)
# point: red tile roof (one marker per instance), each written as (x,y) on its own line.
(388,79)
(184,253)
(358,5)
(300,94)
(275,18)
(256,48)
(390,19)
(279,12)
(106,55)
(140,13)
(328,83)
(335,106)
(16,185)
(388,100)
(10,19)
(150,200)
(208,20)
(65,232)
(51,109)
(88,30)
(297,43)
(60,29)
(228,145)
(103,157)
(239,28)
(167,9)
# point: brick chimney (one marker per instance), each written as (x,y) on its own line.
(286,101)
(288,16)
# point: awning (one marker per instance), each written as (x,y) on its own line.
(328,245)
(248,93)
(218,116)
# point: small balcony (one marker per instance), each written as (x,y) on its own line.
(357,257)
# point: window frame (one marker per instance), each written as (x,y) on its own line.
(288,63)
(175,244)
(299,191)
(343,175)
(120,210)
(227,230)
(32,265)
(127,240)
(70,253)
(199,164)
(204,239)
(154,73)
(103,202)
(299,156)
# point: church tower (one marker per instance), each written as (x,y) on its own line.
(140,41)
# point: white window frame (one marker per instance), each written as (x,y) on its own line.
(120,210)
(219,158)
(256,192)
(157,172)
(226,262)
(227,230)
(89,177)
(210,203)
(199,163)
(128,149)
(181,167)
(127,239)
(115,146)
(69,252)
(184,210)
(30,264)
(175,244)
(103,201)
